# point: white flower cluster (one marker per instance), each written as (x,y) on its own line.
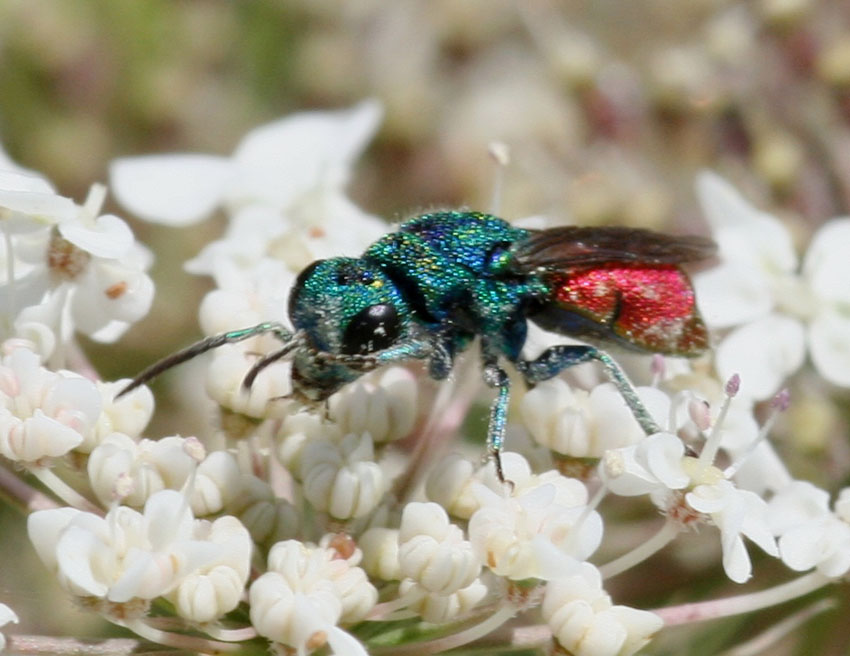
(283,193)
(65,266)
(129,558)
(760,288)
(317,521)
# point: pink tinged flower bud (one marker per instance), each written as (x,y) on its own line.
(43,414)
(700,413)
(658,366)
(194,449)
(123,486)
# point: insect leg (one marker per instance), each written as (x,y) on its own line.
(495,376)
(557,358)
(281,332)
(412,349)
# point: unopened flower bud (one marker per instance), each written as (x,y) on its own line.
(440,608)
(341,478)
(433,552)
(380,553)
(584,620)
(384,404)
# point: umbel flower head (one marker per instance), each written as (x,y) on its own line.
(314,528)
(127,558)
(43,413)
(306,592)
(66,266)
(760,288)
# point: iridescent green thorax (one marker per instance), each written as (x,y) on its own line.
(452,267)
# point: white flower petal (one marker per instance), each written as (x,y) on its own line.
(827,265)
(110,291)
(45,527)
(663,455)
(764,353)
(829,344)
(176,190)
(801,547)
(169,518)
(7,615)
(109,237)
(730,294)
(15,178)
(278,162)
(36,207)
(736,560)
(77,554)
(765,238)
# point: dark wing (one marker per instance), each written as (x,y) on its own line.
(570,246)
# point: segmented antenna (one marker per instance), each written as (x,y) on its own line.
(286,336)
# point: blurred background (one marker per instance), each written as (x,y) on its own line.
(609,108)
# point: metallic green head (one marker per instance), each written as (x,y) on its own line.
(344,306)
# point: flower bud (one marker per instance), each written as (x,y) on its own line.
(432,551)
(440,608)
(340,478)
(380,553)
(226,375)
(384,404)
(586,623)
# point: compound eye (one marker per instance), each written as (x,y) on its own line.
(372,329)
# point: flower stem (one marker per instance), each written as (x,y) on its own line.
(177,640)
(643,551)
(230,635)
(764,641)
(746,603)
(454,640)
(64,491)
(52,646)
(29,497)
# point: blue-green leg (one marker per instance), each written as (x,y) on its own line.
(412,349)
(495,376)
(557,358)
